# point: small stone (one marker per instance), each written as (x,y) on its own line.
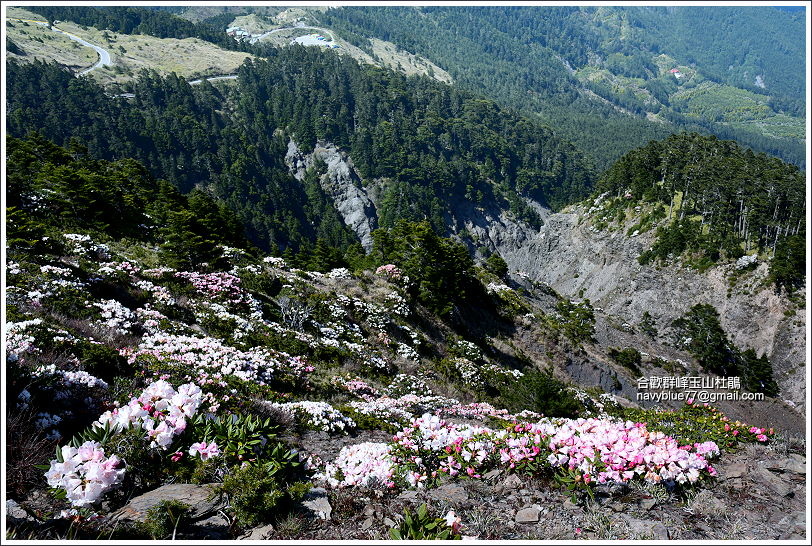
(773,482)
(513,482)
(367,523)
(408,495)
(389,522)
(316,501)
(736,470)
(260,533)
(452,493)
(14,510)
(660,532)
(492,475)
(616,506)
(528,515)
(569,505)
(794,463)
(214,528)
(647,504)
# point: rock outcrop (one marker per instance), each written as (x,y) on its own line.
(342,185)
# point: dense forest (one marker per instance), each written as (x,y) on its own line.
(721,200)
(517,55)
(520,57)
(432,141)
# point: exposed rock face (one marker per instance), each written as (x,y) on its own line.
(580,262)
(341,183)
(199,497)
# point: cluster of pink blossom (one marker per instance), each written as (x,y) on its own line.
(150,318)
(626,450)
(160,410)
(599,450)
(259,364)
(204,450)
(85,473)
(223,286)
(365,464)
(391,271)
(356,386)
(475,410)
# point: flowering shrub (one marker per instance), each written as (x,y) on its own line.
(591,450)
(160,411)
(390,271)
(365,464)
(84,473)
(317,415)
(407,384)
(221,286)
(115,315)
(260,364)
(18,342)
(698,423)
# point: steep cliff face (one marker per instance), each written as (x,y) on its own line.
(578,261)
(341,183)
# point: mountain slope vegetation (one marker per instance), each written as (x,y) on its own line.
(541,59)
(430,140)
(156,375)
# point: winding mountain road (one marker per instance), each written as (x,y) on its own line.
(104,55)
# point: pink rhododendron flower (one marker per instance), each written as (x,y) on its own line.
(204,450)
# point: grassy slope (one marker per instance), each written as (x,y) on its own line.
(189,58)
(41,43)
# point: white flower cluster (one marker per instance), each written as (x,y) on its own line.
(161,294)
(397,304)
(48,422)
(340,273)
(316,415)
(477,375)
(273,261)
(84,245)
(150,318)
(404,351)
(365,464)
(115,315)
(18,343)
(497,288)
(85,473)
(407,384)
(13,268)
(70,378)
(467,349)
(390,410)
(259,364)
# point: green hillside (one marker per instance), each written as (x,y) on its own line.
(546,60)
